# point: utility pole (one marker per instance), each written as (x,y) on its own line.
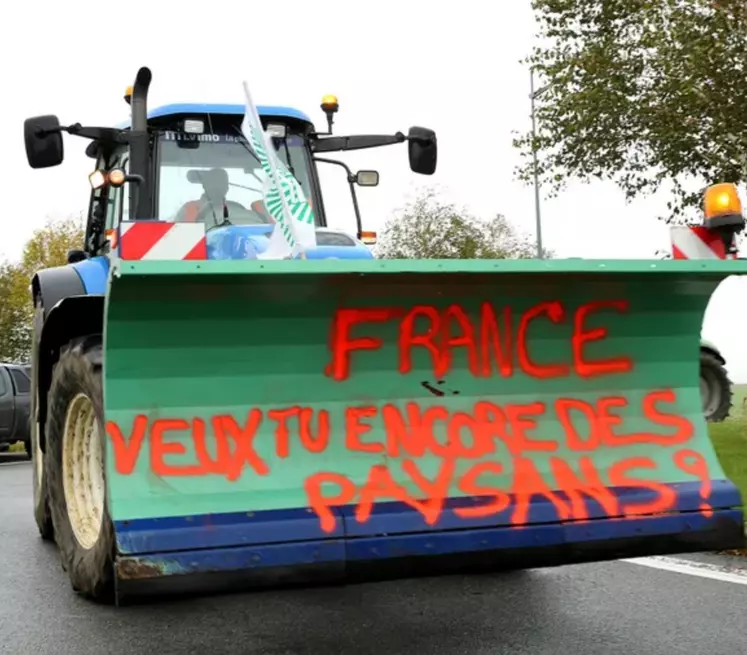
(533,95)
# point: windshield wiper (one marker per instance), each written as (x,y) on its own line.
(245,145)
(288,157)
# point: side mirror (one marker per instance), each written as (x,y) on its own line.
(43,141)
(422,150)
(367,178)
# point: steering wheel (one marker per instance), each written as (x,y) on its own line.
(235,210)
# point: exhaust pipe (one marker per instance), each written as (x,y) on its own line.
(140,99)
(140,147)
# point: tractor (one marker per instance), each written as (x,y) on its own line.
(204,417)
(169,157)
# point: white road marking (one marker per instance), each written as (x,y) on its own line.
(699,569)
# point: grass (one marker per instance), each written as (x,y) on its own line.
(17,447)
(730,442)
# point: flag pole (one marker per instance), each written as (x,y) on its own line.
(287,216)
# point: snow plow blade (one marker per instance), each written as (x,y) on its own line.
(294,421)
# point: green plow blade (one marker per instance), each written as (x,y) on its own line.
(271,415)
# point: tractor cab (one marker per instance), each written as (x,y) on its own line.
(199,153)
(203,171)
(191,163)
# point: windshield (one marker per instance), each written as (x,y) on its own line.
(217,179)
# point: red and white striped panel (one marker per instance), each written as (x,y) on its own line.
(160,240)
(697,242)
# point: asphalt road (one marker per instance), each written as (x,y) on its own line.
(597,609)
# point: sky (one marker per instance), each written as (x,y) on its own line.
(392,64)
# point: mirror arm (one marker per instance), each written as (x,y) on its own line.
(357,142)
(106,134)
(351,183)
(351,177)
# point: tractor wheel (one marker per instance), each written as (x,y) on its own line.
(42,515)
(75,472)
(715,388)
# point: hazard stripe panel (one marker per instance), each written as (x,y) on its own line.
(697,242)
(161,240)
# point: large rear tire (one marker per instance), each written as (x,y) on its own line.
(42,515)
(75,470)
(715,388)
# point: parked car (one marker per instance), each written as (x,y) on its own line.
(15,384)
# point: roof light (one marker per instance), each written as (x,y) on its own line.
(194,126)
(277,130)
(330,104)
(97,179)
(721,201)
(369,238)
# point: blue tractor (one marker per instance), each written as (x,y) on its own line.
(179,162)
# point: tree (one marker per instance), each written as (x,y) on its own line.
(15,326)
(641,92)
(47,247)
(430,229)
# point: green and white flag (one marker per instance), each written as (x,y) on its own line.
(294,231)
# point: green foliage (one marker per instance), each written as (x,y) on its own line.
(15,326)
(430,229)
(730,441)
(642,92)
(47,247)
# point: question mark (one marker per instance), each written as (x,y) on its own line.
(694,463)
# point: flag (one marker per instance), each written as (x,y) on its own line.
(283,196)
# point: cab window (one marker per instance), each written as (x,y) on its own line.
(118,200)
(218,178)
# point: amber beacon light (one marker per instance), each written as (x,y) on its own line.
(330,106)
(722,212)
(722,201)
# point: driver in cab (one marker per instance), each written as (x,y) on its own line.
(212,202)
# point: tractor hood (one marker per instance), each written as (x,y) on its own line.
(247,241)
